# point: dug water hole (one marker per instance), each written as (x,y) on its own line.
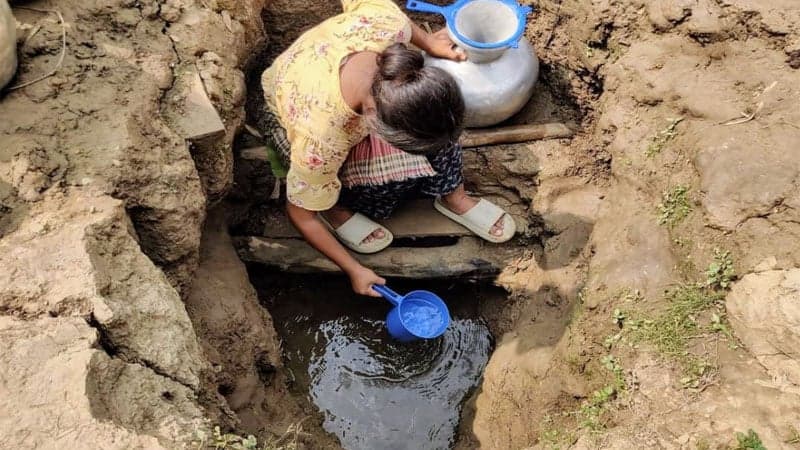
(373,392)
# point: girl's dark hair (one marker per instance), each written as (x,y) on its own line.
(419,109)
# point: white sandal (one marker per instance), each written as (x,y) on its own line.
(480,219)
(357,228)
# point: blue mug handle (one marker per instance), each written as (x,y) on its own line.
(418,6)
(388,294)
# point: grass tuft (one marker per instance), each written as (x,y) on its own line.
(673,331)
(674,206)
(749,441)
(660,140)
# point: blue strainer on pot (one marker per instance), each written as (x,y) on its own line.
(480,26)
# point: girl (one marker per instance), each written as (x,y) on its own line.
(363,125)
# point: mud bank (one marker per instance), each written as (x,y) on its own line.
(107,170)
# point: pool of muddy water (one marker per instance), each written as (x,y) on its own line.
(373,392)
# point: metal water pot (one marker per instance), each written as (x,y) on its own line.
(501,68)
(495,90)
(8,44)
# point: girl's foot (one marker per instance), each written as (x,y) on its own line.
(459,202)
(338,215)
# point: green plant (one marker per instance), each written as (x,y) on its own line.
(720,273)
(672,330)
(554,438)
(674,206)
(592,410)
(609,341)
(749,441)
(619,317)
(611,363)
(660,140)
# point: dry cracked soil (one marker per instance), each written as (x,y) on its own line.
(655,302)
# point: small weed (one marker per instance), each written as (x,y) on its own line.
(660,140)
(697,372)
(610,341)
(674,206)
(719,325)
(554,438)
(749,441)
(720,273)
(590,418)
(611,363)
(619,318)
(591,412)
(672,330)
(593,409)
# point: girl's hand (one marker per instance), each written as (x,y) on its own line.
(362,280)
(440,45)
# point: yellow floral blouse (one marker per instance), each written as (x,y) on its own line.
(302,89)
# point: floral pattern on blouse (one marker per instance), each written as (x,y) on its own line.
(302,89)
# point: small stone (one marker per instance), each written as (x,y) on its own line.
(769,263)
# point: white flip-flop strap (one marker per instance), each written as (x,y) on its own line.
(357,228)
(484,215)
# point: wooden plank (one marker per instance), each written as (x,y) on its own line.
(416,219)
(469,258)
(419,218)
(514,134)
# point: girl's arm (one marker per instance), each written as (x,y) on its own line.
(437,44)
(321,239)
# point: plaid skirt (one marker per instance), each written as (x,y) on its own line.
(376,177)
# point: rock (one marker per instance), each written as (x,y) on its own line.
(667,14)
(198,119)
(793,54)
(65,260)
(777,17)
(739,186)
(764,309)
(706,20)
(770,263)
(57,391)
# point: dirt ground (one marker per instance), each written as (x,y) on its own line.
(657,304)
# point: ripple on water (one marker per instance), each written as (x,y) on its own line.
(376,393)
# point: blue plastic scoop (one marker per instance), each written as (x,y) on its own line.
(417,315)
